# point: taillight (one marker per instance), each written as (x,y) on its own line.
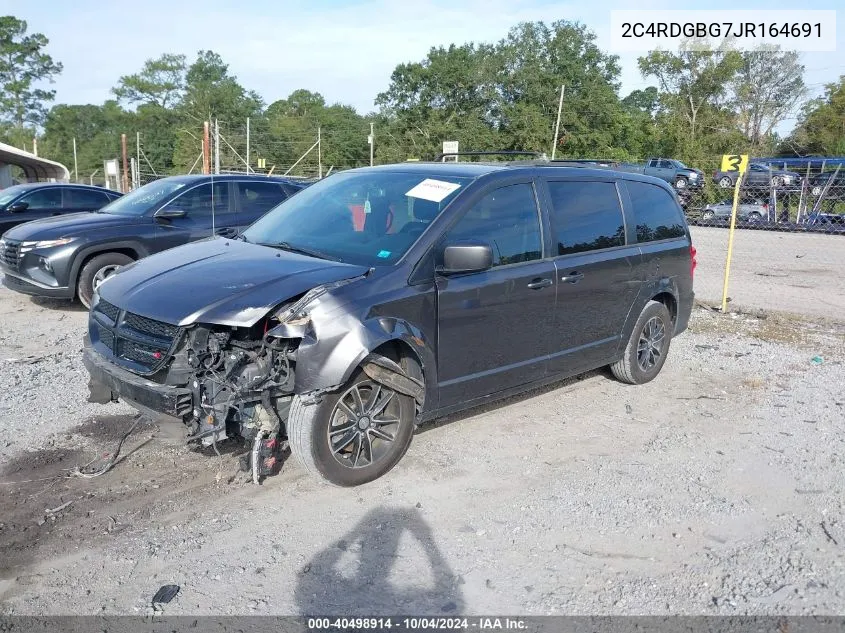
(693,262)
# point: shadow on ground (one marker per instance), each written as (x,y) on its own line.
(367,572)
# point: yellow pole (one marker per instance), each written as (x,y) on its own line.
(731,242)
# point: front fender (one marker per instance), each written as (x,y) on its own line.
(104,247)
(335,347)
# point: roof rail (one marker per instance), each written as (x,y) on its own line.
(441,157)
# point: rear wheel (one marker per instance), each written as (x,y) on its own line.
(725,182)
(754,217)
(95,272)
(354,435)
(708,215)
(648,346)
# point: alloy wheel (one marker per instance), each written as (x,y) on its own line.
(364,424)
(104,273)
(651,343)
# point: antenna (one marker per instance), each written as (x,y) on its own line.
(215,170)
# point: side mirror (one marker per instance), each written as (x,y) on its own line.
(17,207)
(466,257)
(170,213)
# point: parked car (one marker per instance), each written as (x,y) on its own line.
(670,170)
(747,211)
(465,283)
(835,190)
(827,221)
(758,176)
(68,257)
(22,203)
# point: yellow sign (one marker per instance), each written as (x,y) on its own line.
(262,163)
(735,162)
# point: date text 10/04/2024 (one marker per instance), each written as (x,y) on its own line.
(414,624)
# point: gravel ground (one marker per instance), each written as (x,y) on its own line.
(786,272)
(716,489)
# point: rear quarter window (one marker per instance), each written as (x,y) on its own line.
(656,214)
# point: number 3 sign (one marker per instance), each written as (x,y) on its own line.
(735,162)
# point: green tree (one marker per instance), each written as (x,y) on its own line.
(694,95)
(23,65)
(505,96)
(447,96)
(767,88)
(211,92)
(821,129)
(97,131)
(290,129)
(160,82)
(535,60)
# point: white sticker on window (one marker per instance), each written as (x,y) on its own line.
(434,190)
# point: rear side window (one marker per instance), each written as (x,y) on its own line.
(197,202)
(656,213)
(85,199)
(586,216)
(260,196)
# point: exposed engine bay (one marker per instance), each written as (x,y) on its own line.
(242,383)
(238,380)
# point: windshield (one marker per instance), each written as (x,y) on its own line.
(370,218)
(7,195)
(142,199)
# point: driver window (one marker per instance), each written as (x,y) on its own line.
(44,199)
(507,219)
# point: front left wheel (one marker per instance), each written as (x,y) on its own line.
(96,271)
(354,435)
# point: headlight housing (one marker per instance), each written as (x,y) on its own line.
(28,246)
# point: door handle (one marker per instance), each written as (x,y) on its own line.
(540,283)
(573,277)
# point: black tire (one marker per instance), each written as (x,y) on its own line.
(725,182)
(94,267)
(707,216)
(308,428)
(629,368)
(754,218)
(681,182)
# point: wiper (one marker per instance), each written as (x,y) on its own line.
(286,246)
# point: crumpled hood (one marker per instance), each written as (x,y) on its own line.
(227,282)
(70,224)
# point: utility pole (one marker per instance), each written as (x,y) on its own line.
(216,146)
(138,157)
(319,152)
(35,146)
(206,150)
(125,163)
(247,145)
(372,142)
(75,169)
(557,123)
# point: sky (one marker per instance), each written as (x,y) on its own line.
(344,49)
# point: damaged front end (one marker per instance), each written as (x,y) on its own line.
(220,381)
